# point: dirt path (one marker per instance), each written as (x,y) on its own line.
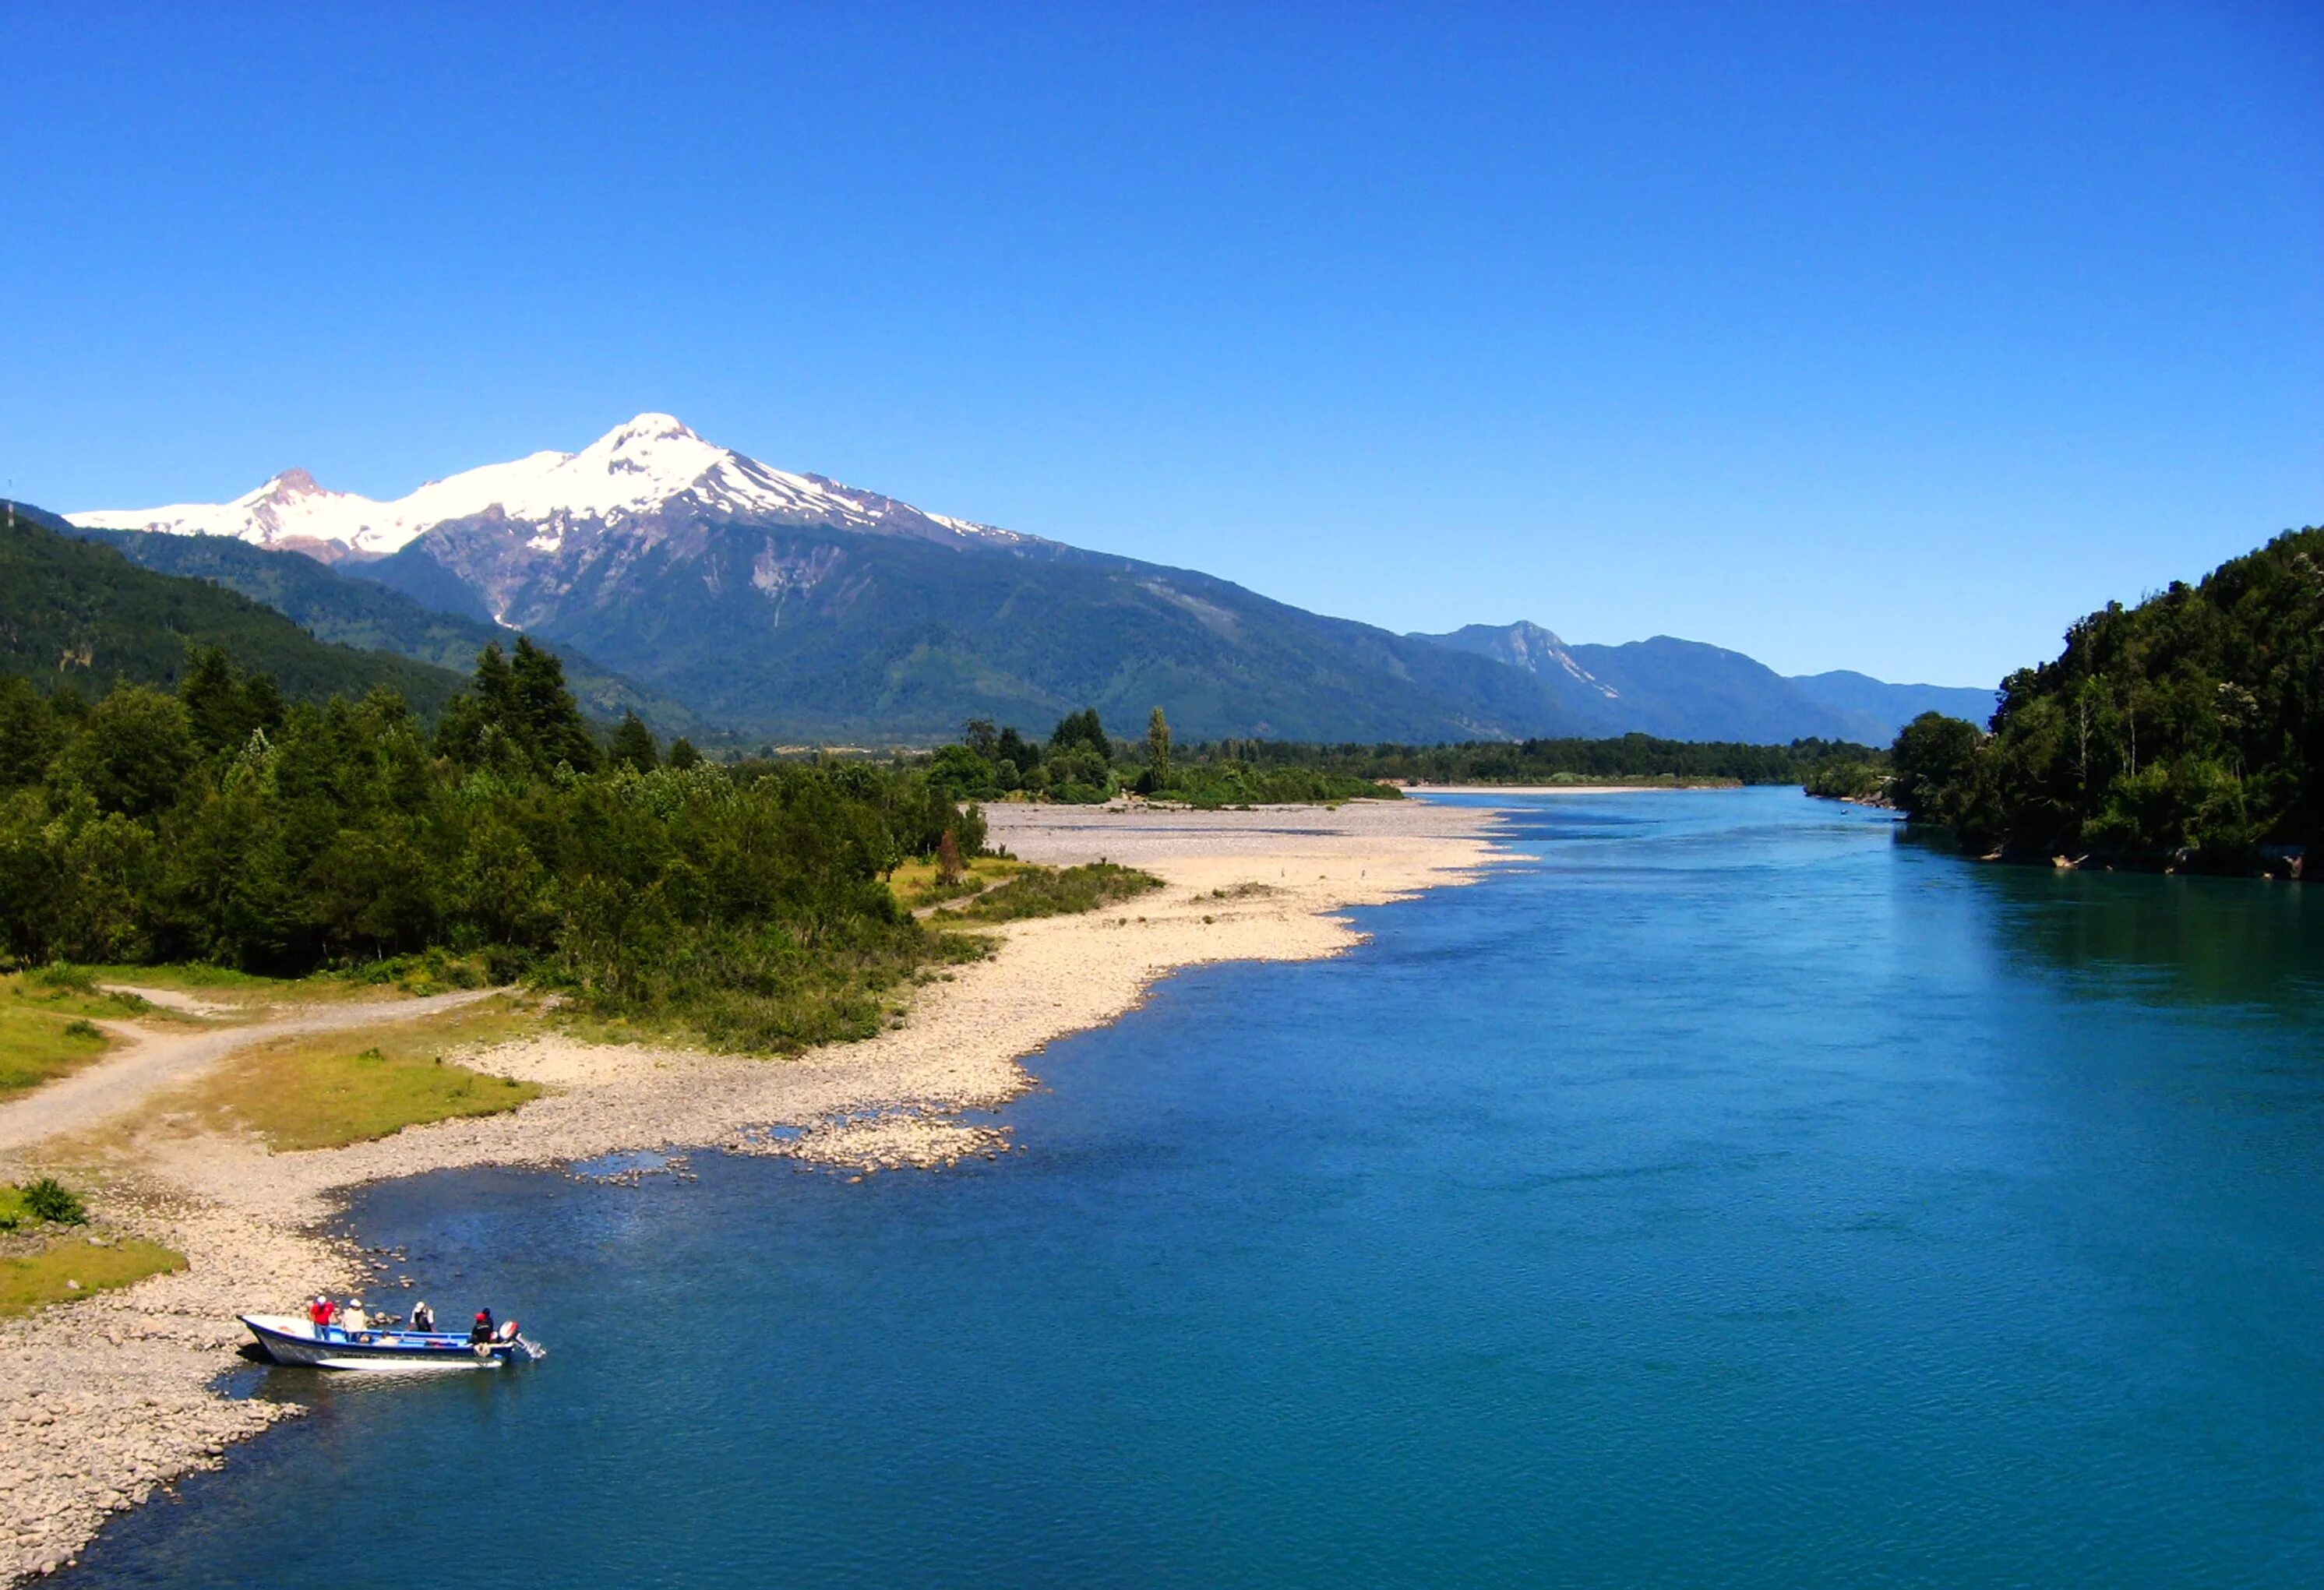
(158,1058)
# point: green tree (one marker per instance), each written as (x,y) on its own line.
(961,773)
(1157,750)
(682,754)
(1082,729)
(551,716)
(1935,759)
(634,746)
(29,734)
(222,708)
(133,752)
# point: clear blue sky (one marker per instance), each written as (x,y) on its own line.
(1875,336)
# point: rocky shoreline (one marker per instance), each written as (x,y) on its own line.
(104,1401)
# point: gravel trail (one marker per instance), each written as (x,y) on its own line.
(162,1057)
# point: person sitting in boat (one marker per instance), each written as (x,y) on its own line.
(481,1332)
(423,1318)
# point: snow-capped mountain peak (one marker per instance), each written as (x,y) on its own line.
(649,468)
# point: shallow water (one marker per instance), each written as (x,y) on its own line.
(1734,1194)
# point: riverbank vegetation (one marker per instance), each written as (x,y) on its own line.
(1629,758)
(1059,892)
(217,824)
(1079,762)
(2185,732)
(1850,778)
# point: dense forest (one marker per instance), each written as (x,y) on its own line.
(219,822)
(2188,731)
(1079,762)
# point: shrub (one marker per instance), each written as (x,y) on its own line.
(48,1199)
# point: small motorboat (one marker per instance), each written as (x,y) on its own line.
(288,1339)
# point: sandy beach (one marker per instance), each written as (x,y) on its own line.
(106,1399)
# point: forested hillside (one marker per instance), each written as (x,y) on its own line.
(814,634)
(333,606)
(2188,729)
(71,612)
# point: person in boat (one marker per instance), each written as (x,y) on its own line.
(423,1318)
(353,1319)
(481,1332)
(318,1312)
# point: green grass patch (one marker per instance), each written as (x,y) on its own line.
(224,986)
(914,884)
(1059,892)
(45,1030)
(72,1265)
(333,1089)
(190,977)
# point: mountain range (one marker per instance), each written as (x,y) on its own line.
(688,579)
(1687,690)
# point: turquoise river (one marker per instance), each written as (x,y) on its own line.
(1732,1191)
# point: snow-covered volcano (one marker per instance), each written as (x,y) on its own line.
(645,469)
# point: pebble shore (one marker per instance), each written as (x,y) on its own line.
(106,1400)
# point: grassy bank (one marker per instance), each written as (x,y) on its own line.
(74,1264)
(330,1090)
(47,1025)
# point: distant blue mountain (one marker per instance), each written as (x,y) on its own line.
(1687,690)
(1876,702)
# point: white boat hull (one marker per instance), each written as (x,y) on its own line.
(288,1339)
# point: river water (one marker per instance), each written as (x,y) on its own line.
(1731,1192)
